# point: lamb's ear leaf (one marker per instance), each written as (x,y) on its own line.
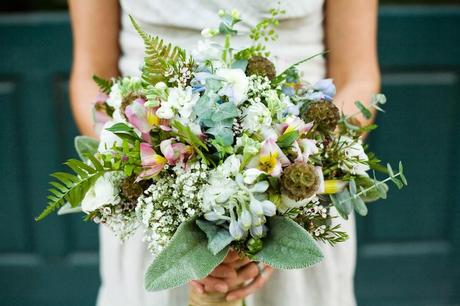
(218,237)
(288,246)
(85,145)
(185,258)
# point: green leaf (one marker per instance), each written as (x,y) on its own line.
(401,173)
(218,237)
(224,111)
(366,112)
(288,246)
(185,258)
(159,56)
(287,139)
(360,206)
(240,64)
(104,85)
(374,193)
(342,202)
(124,131)
(72,188)
(85,145)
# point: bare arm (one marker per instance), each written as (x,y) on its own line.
(95,27)
(351,34)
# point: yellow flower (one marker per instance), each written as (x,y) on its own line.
(333,186)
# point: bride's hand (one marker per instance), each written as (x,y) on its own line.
(231,275)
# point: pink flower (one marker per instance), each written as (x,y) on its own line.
(152,163)
(294,124)
(141,117)
(175,153)
(304,148)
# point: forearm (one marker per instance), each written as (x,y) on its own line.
(95,27)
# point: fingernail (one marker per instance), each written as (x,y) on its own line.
(221,288)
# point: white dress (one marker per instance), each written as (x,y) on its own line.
(329,283)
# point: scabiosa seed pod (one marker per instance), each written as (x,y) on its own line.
(259,65)
(299,181)
(325,115)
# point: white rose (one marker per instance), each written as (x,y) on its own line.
(237,84)
(103,192)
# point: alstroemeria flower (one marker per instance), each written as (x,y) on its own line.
(141,117)
(294,124)
(271,158)
(304,148)
(175,152)
(152,163)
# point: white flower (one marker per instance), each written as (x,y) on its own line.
(206,50)
(237,84)
(251,175)
(230,167)
(256,117)
(288,203)
(104,192)
(115,97)
(208,32)
(107,139)
(356,162)
(180,101)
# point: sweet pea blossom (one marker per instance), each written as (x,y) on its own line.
(152,163)
(322,90)
(236,84)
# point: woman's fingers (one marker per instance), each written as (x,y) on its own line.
(258,283)
(246,273)
(224,271)
(213,284)
(232,256)
(197,286)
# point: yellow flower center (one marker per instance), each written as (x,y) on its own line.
(267,163)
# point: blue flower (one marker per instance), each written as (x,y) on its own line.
(326,87)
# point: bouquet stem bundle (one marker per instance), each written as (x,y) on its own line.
(210,299)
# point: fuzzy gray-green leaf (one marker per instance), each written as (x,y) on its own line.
(218,237)
(85,145)
(185,258)
(288,246)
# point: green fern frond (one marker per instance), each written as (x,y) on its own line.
(72,187)
(104,85)
(159,56)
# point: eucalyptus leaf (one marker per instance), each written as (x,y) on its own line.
(85,145)
(224,111)
(240,64)
(360,206)
(218,237)
(185,258)
(342,202)
(401,174)
(288,246)
(373,194)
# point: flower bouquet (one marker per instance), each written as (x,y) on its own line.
(216,150)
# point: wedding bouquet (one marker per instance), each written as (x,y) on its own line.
(216,150)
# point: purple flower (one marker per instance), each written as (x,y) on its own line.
(326,87)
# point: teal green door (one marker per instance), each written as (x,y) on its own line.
(409,246)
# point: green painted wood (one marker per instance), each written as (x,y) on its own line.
(409,246)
